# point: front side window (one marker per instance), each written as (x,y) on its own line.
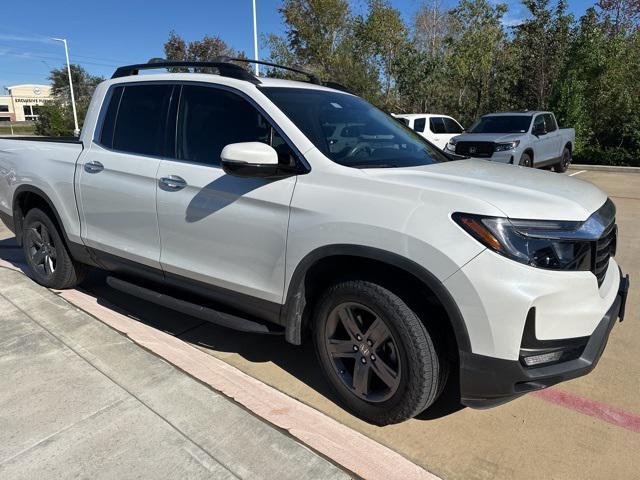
(210,119)
(451,126)
(502,124)
(141,119)
(538,124)
(352,132)
(419,124)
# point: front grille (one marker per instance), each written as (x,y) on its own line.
(605,249)
(475,149)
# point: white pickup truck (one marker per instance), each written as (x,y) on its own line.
(225,196)
(530,139)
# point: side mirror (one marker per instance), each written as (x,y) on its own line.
(539,130)
(249,159)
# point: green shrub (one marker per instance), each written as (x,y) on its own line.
(620,157)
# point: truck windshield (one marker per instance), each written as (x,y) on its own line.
(502,124)
(352,132)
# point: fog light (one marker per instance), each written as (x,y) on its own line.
(543,358)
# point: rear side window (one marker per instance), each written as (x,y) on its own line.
(211,118)
(451,126)
(419,124)
(141,119)
(437,125)
(109,121)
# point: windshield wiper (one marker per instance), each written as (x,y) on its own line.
(372,165)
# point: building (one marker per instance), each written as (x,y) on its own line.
(21,105)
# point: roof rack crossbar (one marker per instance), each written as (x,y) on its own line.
(313,78)
(226,69)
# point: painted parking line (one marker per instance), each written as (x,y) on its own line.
(577,173)
(593,408)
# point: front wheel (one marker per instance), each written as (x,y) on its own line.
(376,352)
(46,253)
(563,165)
(526,160)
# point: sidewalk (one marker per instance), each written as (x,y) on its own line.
(78,399)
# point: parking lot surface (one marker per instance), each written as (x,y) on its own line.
(585,428)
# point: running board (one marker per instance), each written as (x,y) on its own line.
(204,313)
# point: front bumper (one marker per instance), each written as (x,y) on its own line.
(487,381)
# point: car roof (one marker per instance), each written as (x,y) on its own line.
(522,113)
(420,115)
(221,80)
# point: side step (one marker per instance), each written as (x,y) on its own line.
(205,313)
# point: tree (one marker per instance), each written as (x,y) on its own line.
(56,119)
(205,50)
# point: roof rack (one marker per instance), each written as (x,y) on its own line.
(224,67)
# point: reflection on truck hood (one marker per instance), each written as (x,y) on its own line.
(489,137)
(519,192)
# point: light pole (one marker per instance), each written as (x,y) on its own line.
(255,39)
(76,131)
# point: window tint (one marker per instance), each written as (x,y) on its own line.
(211,119)
(451,126)
(419,124)
(550,122)
(109,120)
(437,125)
(402,120)
(140,123)
(501,124)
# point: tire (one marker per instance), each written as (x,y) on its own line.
(565,161)
(526,160)
(358,321)
(49,261)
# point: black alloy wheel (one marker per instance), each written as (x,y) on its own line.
(364,352)
(40,249)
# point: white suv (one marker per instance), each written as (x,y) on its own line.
(288,207)
(438,129)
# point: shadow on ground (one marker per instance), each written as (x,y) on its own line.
(299,361)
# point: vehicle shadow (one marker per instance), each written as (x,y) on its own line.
(297,361)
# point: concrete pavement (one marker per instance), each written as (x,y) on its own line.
(77,399)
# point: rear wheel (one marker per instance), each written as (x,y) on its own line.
(376,352)
(46,254)
(526,160)
(564,163)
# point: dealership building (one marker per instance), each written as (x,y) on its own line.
(22,102)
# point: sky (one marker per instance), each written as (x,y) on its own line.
(106,34)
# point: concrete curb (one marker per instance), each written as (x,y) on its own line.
(605,168)
(344,446)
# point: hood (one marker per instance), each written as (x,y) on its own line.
(518,192)
(489,137)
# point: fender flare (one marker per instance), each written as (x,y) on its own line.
(293,308)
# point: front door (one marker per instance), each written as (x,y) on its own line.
(217,229)
(117,182)
(544,143)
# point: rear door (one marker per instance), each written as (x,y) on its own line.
(217,229)
(117,183)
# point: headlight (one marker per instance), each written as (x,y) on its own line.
(503,147)
(538,243)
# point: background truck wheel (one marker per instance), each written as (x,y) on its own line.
(46,253)
(526,160)
(564,163)
(376,352)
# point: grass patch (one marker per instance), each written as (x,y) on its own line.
(17,130)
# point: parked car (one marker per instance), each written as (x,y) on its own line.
(530,139)
(438,129)
(224,197)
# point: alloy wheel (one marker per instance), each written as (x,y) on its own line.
(363,352)
(41,250)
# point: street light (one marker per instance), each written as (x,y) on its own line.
(76,131)
(255,39)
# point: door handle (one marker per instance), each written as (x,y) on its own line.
(173,182)
(93,167)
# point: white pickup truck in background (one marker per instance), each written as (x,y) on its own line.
(530,139)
